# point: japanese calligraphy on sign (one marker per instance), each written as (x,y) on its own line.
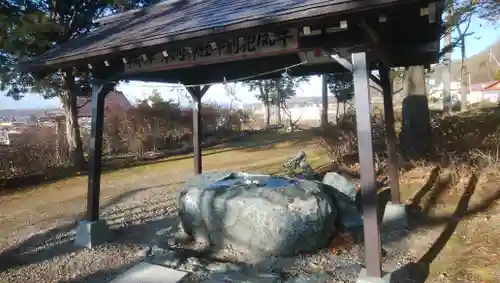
(253,46)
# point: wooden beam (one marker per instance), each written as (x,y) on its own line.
(197,93)
(371,229)
(204,90)
(375,43)
(341,59)
(99,92)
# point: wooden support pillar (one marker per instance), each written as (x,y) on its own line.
(91,230)
(392,156)
(368,182)
(99,92)
(197,93)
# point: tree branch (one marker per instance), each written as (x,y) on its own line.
(376,88)
(83,104)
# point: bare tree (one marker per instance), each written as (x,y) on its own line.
(288,113)
(231,93)
(341,85)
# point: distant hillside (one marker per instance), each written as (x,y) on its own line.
(479,66)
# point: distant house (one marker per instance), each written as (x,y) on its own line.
(306,108)
(477,92)
(491,91)
(436,90)
(114,100)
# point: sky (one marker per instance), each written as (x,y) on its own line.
(484,34)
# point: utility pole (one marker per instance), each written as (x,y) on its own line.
(492,57)
(446,75)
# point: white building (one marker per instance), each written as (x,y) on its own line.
(477,92)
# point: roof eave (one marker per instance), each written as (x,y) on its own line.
(243,26)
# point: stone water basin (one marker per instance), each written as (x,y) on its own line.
(258,214)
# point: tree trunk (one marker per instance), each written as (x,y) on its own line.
(337,114)
(446,75)
(229,115)
(416,129)
(268,113)
(73,136)
(324,101)
(265,93)
(278,102)
(464,86)
(278,106)
(60,141)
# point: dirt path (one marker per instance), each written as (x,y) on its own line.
(49,205)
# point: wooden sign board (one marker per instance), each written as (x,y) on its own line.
(249,47)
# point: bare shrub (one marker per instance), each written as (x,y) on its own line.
(470,138)
(160,127)
(340,141)
(31,152)
(467,136)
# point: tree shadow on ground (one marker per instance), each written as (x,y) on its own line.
(418,272)
(417,197)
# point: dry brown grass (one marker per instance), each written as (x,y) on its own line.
(466,247)
(466,147)
(459,214)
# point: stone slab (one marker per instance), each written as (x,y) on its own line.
(165,258)
(241,277)
(319,277)
(363,278)
(343,192)
(91,233)
(341,183)
(150,273)
(395,215)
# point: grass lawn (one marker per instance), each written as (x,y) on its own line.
(42,206)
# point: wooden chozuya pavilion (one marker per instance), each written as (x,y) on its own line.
(202,42)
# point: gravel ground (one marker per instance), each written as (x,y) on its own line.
(343,265)
(49,256)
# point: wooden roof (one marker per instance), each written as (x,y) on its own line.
(184,22)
